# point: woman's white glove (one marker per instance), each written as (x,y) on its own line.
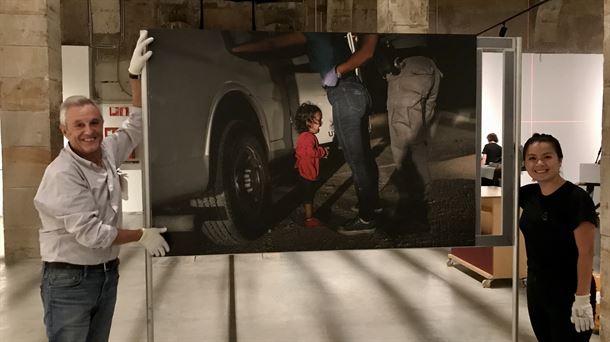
(139,57)
(152,240)
(582,313)
(331,78)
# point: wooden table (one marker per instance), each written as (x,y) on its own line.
(490,262)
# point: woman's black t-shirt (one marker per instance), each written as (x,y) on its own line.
(548,224)
(493,152)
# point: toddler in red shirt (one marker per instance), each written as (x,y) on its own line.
(308,152)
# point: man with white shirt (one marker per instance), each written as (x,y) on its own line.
(79,203)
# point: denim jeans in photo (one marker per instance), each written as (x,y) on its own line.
(351,101)
(78,303)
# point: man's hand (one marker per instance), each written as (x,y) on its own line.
(582,313)
(152,240)
(330,79)
(139,57)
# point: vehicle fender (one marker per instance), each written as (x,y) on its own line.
(229,88)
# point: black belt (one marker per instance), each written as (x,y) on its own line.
(350,76)
(64,265)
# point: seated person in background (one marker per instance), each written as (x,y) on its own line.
(492,152)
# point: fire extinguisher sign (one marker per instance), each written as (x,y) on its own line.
(118,110)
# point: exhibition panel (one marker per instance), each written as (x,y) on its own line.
(222,138)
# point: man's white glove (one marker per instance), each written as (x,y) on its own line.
(582,313)
(152,240)
(139,57)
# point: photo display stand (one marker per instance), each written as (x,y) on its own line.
(150,327)
(510,48)
(510,76)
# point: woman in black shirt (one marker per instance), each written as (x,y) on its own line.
(492,152)
(558,223)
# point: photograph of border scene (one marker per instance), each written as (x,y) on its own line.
(393,167)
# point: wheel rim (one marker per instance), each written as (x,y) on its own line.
(248,181)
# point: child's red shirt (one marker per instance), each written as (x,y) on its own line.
(308,153)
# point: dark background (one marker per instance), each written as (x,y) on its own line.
(449,219)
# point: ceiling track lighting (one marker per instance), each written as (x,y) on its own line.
(504,29)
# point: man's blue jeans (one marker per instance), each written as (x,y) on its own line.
(351,101)
(78,303)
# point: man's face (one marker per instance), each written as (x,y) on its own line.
(83,129)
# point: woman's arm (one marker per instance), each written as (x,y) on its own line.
(361,55)
(584,235)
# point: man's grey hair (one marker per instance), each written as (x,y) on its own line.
(74,101)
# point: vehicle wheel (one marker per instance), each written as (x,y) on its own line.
(241,191)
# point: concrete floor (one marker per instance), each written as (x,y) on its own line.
(370,295)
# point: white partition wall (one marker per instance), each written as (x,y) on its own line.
(562,96)
(491,95)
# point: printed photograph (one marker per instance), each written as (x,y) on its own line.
(308,141)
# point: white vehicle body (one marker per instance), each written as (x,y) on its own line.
(216,123)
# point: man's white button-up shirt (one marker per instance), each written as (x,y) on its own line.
(79,202)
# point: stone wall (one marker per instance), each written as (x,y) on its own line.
(408,16)
(30,95)
(558,26)
(605,184)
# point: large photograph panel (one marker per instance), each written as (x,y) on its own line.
(224,124)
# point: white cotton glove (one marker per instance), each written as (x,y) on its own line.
(152,240)
(139,57)
(330,79)
(582,313)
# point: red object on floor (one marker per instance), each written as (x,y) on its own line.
(312,222)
